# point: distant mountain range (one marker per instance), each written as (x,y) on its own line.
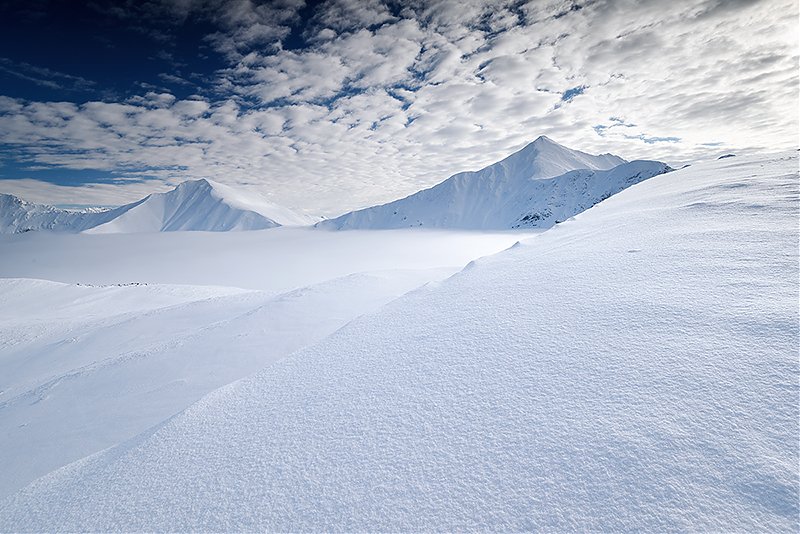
(18,216)
(197,205)
(539,186)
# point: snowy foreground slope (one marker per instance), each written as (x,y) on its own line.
(541,185)
(196,205)
(93,372)
(634,368)
(88,363)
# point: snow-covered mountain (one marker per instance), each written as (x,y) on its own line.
(18,216)
(538,186)
(196,205)
(199,205)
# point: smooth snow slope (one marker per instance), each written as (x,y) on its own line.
(88,367)
(633,369)
(19,216)
(199,205)
(539,186)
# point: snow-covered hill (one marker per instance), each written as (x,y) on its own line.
(538,186)
(634,369)
(19,216)
(196,205)
(199,205)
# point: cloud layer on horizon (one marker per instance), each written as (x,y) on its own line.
(382,99)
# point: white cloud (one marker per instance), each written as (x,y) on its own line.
(350,15)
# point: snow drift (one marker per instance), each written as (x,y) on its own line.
(538,186)
(196,205)
(126,343)
(633,369)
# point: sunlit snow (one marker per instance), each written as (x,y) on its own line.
(633,367)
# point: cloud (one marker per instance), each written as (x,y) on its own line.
(241,24)
(376,101)
(350,15)
(245,24)
(44,76)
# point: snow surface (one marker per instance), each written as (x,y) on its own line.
(635,368)
(88,366)
(539,186)
(95,372)
(196,205)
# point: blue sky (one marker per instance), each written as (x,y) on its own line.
(328,106)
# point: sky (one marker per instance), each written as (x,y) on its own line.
(329,106)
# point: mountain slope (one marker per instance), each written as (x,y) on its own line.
(18,216)
(199,205)
(535,187)
(192,205)
(634,369)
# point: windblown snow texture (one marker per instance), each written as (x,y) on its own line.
(103,364)
(122,344)
(633,369)
(539,186)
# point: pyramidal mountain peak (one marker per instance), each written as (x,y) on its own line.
(545,158)
(543,140)
(539,185)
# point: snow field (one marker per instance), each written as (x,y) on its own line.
(634,368)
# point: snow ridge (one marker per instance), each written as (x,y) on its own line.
(197,205)
(19,216)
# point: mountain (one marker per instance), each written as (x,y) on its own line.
(18,216)
(196,205)
(199,205)
(538,186)
(634,369)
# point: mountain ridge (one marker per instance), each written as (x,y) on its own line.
(537,186)
(193,205)
(524,189)
(18,215)
(202,205)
